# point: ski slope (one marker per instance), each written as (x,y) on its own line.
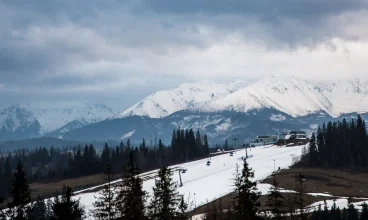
(202,183)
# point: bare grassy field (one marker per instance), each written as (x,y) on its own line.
(335,182)
(52,188)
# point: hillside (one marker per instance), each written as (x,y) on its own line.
(19,122)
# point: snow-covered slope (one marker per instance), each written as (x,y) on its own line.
(52,119)
(185,97)
(22,121)
(202,184)
(287,94)
(17,122)
(346,96)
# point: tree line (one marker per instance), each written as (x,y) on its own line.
(341,144)
(49,164)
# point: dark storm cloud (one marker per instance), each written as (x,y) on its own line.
(269,10)
(86,49)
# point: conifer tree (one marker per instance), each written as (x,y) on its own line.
(344,214)
(104,207)
(67,208)
(313,153)
(131,197)
(21,194)
(7,175)
(165,203)
(182,210)
(105,156)
(246,202)
(205,145)
(275,200)
(325,213)
(364,213)
(335,213)
(352,211)
(300,199)
(39,210)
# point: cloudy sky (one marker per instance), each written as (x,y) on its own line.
(60,52)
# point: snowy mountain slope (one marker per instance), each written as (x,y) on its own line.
(288,94)
(347,96)
(185,97)
(219,174)
(17,122)
(52,119)
(20,121)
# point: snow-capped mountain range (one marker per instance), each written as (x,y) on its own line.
(293,96)
(239,109)
(23,121)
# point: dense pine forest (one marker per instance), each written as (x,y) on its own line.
(44,165)
(342,144)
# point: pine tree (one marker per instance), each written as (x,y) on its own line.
(39,210)
(313,153)
(105,156)
(226,145)
(344,214)
(131,197)
(67,208)
(7,175)
(326,213)
(300,199)
(104,206)
(182,210)
(165,203)
(364,213)
(206,146)
(246,202)
(275,200)
(335,213)
(352,211)
(21,194)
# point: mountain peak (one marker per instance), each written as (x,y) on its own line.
(288,94)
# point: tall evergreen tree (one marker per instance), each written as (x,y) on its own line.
(352,211)
(21,194)
(313,153)
(206,146)
(39,210)
(104,206)
(105,156)
(246,202)
(275,200)
(364,213)
(300,199)
(67,208)
(131,197)
(7,175)
(335,213)
(165,203)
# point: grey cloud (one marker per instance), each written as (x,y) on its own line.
(84,49)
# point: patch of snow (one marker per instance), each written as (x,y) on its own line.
(277,117)
(223,126)
(127,135)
